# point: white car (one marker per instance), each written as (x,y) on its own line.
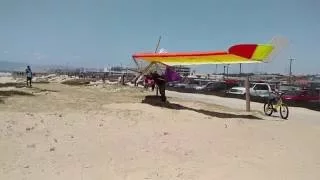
(237,91)
(256,89)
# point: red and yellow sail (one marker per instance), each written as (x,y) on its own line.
(241,53)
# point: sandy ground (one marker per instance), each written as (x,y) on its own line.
(113,132)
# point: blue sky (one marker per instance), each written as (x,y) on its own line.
(98,33)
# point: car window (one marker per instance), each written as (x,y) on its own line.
(234,90)
(261,87)
(210,85)
(312,93)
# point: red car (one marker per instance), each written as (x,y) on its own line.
(301,96)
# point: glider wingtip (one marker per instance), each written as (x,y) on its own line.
(252,51)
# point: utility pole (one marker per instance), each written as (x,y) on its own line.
(290,70)
(227,70)
(240,68)
(224,70)
(247,85)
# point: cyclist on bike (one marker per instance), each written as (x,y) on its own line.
(274,98)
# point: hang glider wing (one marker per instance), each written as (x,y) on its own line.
(241,53)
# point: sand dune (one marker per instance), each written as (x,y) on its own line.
(115,132)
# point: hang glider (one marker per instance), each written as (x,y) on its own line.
(237,54)
(241,53)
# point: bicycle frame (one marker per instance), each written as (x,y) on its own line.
(278,104)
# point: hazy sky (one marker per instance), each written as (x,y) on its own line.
(102,32)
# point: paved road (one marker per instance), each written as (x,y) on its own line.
(296,113)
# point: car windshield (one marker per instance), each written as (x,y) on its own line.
(234,90)
(210,84)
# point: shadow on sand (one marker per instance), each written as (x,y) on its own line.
(156,101)
(12,93)
(44,90)
(76,82)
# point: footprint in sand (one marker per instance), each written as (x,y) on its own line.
(31,146)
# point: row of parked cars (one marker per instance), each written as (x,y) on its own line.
(205,85)
(262,90)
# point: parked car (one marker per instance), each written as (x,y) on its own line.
(256,89)
(172,84)
(184,85)
(180,85)
(286,88)
(302,96)
(212,86)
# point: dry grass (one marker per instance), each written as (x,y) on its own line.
(19,85)
(48,90)
(14,92)
(76,82)
(12,84)
(40,82)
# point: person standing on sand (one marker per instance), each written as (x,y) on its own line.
(29,76)
(161,83)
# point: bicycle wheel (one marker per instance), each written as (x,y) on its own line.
(268,109)
(284,111)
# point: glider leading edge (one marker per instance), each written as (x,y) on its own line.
(241,53)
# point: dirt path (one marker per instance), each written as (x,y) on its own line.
(296,113)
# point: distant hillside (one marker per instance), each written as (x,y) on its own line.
(12,66)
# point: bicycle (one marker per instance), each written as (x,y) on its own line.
(270,106)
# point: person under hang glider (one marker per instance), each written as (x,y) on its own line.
(160,81)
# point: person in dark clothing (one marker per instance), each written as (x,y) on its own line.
(153,85)
(29,76)
(161,83)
